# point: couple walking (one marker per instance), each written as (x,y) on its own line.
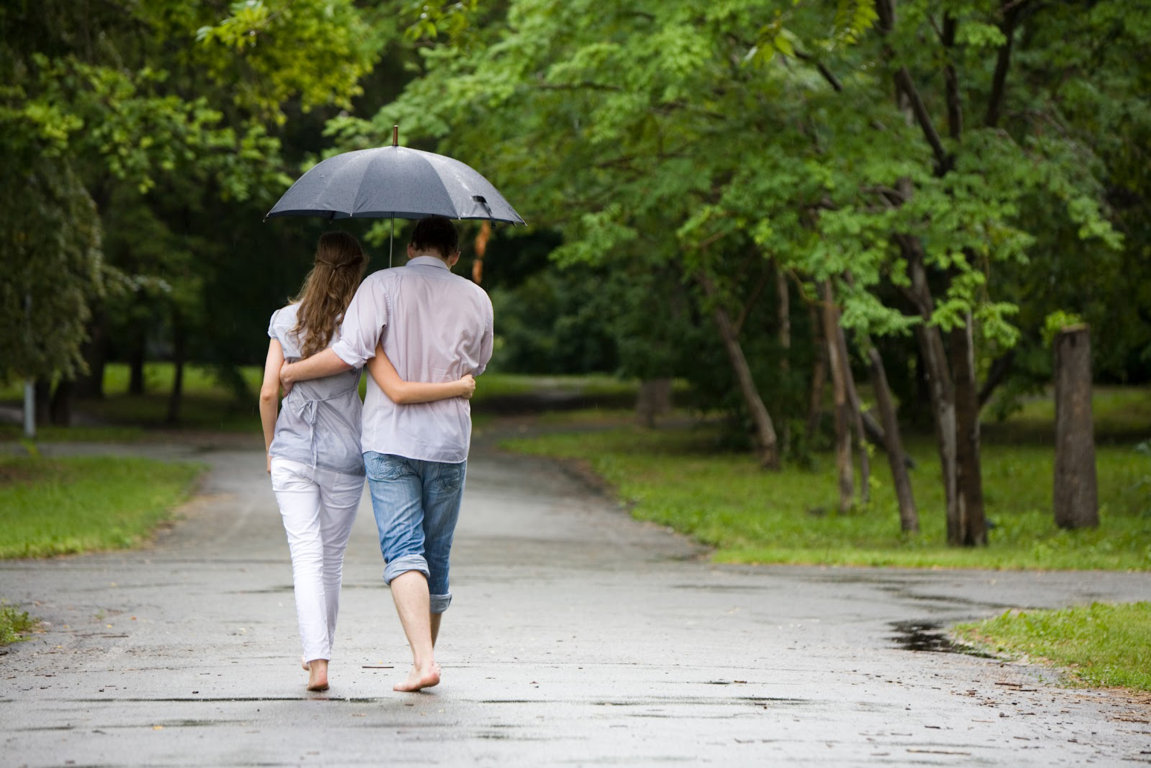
(423,333)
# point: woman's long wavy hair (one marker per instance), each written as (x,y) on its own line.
(327,290)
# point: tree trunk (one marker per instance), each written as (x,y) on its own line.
(836,362)
(653,401)
(893,443)
(42,393)
(783,314)
(818,378)
(178,350)
(855,410)
(1076,492)
(60,408)
(766,446)
(783,311)
(969,476)
(95,351)
(939,383)
(136,366)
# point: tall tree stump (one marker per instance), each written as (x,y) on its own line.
(1076,491)
(653,400)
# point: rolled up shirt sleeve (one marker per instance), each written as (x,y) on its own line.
(363,323)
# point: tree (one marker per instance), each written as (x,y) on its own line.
(133,98)
(52,268)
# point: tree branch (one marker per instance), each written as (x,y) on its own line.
(584,86)
(828,75)
(1011,10)
(748,303)
(885,10)
(999,370)
(951,79)
(943,161)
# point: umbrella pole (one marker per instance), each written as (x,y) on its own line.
(392,239)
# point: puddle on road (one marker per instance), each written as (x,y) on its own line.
(930,637)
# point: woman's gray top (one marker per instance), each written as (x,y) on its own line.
(319,421)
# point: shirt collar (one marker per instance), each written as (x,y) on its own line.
(431,261)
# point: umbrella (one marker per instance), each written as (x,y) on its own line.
(394,182)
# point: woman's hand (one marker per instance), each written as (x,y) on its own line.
(468,384)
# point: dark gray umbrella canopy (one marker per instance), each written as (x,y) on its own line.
(394,182)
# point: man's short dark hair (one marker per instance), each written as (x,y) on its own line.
(436,233)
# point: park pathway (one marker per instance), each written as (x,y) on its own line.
(577,637)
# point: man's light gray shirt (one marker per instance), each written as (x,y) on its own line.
(436,326)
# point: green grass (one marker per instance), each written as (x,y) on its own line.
(1099,644)
(208,405)
(680,478)
(62,506)
(688,479)
(14,625)
(1119,414)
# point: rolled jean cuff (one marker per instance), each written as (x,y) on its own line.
(440,603)
(403,564)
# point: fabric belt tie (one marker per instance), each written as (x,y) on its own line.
(307,409)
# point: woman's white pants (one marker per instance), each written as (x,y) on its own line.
(318,506)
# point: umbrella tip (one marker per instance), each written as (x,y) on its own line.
(396,135)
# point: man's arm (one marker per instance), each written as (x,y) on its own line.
(319,365)
(359,332)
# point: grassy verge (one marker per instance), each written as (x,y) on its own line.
(680,478)
(13,625)
(209,405)
(1100,644)
(62,506)
(688,479)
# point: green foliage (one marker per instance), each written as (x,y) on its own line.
(121,109)
(448,19)
(61,506)
(1056,322)
(13,624)
(697,134)
(313,51)
(1099,644)
(51,267)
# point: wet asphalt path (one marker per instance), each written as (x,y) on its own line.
(577,637)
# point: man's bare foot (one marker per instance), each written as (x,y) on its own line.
(317,674)
(419,679)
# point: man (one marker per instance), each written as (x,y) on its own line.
(433,326)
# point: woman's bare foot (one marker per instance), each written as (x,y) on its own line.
(317,674)
(419,679)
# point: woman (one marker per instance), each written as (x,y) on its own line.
(313,443)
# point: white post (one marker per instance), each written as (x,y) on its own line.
(29,409)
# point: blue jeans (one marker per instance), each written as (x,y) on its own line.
(416,504)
